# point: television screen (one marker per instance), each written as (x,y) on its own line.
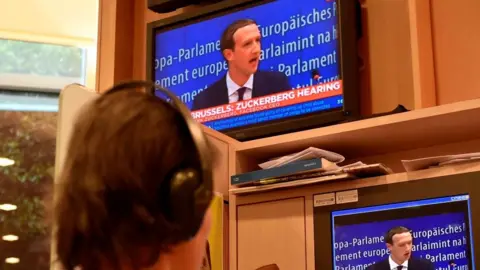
(439,230)
(284,64)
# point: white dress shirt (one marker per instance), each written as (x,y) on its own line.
(233,87)
(394,265)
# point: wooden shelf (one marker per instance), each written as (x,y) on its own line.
(289,184)
(314,186)
(410,130)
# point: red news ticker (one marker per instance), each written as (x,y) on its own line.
(273,101)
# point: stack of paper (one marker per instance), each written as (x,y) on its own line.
(309,153)
(428,162)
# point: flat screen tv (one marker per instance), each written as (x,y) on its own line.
(292,67)
(440,228)
(423,224)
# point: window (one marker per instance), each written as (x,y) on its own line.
(40,66)
(31,77)
(28,101)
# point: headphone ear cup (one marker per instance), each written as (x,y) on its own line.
(187,200)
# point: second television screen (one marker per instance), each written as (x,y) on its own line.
(289,62)
(439,237)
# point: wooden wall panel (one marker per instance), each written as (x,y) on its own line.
(456,43)
(389,48)
(115,42)
(272,232)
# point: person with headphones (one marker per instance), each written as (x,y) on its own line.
(136,185)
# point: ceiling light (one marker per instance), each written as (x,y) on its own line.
(8,207)
(12,260)
(4,162)
(10,237)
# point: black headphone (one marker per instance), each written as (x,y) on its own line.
(193,184)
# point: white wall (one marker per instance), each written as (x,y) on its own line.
(74,19)
(64,22)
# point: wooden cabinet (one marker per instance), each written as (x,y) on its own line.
(272,232)
(274,223)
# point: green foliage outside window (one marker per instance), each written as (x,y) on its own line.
(40,59)
(28,138)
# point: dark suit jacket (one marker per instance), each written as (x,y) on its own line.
(264,83)
(413,264)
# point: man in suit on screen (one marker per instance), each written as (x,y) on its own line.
(241,48)
(399,241)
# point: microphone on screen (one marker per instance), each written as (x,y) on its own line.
(316,75)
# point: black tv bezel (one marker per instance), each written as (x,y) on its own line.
(347,30)
(444,186)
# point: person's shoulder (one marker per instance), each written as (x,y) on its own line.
(212,88)
(421,262)
(221,82)
(272,81)
(205,97)
(270,73)
(372,267)
(202,97)
(427,262)
(379,265)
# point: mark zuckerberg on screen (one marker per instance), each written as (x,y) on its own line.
(241,47)
(399,242)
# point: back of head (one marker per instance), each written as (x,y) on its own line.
(109,205)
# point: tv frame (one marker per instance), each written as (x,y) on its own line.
(348,68)
(444,186)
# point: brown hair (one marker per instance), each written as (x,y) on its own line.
(393,231)
(110,202)
(227,41)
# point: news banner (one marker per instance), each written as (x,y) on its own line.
(300,101)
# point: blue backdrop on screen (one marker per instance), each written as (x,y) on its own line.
(189,59)
(436,237)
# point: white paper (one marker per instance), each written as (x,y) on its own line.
(353,165)
(308,153)
(324,199)
(424,163)
(459,160)
(348,196)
